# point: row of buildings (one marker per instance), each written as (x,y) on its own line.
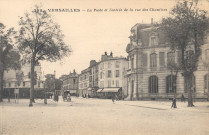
(144,73)
(10,81)
(105,76)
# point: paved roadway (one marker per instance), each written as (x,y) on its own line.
(102,117)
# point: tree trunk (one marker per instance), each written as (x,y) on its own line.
(1,85)
(32,83)
(188,81)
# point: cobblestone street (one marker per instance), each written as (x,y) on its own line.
(102,117)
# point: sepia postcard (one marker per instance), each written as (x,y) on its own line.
(104,67)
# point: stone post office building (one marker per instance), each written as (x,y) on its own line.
(148,76)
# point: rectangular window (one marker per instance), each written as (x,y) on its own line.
(74,81)
(90,79)
(170,57)
(144,60)
(101,84)
(39,84)
(109,64)
(117,64)
(132,63)
(23,84)
(162,59)
(100,75)
(117,83)
(9,84)
(153,60)
(28,74)
(109,83)
(117,73)
(153,41)
(109,74)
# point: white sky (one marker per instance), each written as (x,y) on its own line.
(89,34)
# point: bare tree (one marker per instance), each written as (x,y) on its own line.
(40,38)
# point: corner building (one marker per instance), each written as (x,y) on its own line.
(148,76)
(111,73)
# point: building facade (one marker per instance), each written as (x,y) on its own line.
(10,81)
(70,83)
(148,75)
(83,83)
(93,74)
(111,72)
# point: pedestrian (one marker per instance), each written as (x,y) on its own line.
(182,98)
(68,97)
(56,97)
(113,98)
(174,103)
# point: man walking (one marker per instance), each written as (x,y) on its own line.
(174,103)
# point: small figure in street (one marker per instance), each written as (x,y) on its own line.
(56,97)
(174,103)
(113,98)
(182,98)
(68,97)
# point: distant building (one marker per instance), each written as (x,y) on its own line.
(111,74)
(84,83)
(105,76)
(148,75)
(93,74)
(10,81)
(70,83)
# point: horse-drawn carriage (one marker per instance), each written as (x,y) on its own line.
(66,96)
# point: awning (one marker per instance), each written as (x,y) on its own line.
(110,89)
(99,90)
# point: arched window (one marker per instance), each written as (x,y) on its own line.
(153,60)
(206,82)
(171,84)
(153,84)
